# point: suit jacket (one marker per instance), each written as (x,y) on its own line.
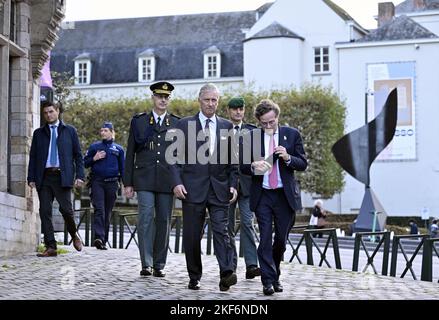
(146,168)
(291,139)
(69,152)
(245,180)
(197,177)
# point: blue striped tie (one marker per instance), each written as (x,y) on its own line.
(53,147)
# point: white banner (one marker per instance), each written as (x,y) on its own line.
(381,79)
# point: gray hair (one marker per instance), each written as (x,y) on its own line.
(208,87)
(319,203)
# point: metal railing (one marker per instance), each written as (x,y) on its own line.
(384,240)
(310,242)
(398,244)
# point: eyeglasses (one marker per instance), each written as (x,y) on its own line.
(268,123)
(161,96)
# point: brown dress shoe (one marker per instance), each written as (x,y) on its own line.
(77,244)
(49,252)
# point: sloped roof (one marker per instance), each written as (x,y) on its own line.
(342,13)
(408,6)
(177,41)
(400,28)
(275,30)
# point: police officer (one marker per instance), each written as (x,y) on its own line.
(236,110)
(106,160)
(147,173)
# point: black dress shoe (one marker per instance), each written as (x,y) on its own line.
(227,281)
(194,285)
(98,244)
(277,286)
(146,271)
(252,272)
(268,291)
(159,273)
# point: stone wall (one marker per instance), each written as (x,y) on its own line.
(19,225)
(21,60)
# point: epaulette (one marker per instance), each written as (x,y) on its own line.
(174,116)
(140,114)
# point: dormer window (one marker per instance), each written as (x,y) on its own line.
(146,68)
(212,63)
(82,69)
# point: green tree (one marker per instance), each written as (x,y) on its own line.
(316,111)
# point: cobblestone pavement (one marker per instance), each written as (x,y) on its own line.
(114,274)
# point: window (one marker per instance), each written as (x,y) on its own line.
(212,63)
(146,71)
(321,59)
(82,69)
(13,22)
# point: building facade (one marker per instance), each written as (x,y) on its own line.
(28,31)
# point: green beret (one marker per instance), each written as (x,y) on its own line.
(236,102)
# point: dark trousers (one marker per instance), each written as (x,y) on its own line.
(51,189)
(273,206)
(193,222)
(103,196)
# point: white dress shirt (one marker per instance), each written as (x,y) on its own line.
(212,130)
(265,183)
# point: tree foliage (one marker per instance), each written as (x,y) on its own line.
(316,111)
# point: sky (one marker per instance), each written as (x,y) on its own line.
(363,11)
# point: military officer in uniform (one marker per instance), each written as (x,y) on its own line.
(147,173)
(236,109)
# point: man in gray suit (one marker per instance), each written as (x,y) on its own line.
(205,185)
(147,173)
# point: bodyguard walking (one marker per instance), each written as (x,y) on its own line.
(147,173)
(55,166)
(106,160)
(236,109)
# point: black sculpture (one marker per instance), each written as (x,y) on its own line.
(355,153)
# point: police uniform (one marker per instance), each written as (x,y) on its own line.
(147,171)
(247,238)
(105,174)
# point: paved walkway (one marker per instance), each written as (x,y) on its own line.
(114,274)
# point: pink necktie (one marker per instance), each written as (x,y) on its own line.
(272,177)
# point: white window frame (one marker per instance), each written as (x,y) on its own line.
(145,75)
(212,65)
(320,65)
(80,79)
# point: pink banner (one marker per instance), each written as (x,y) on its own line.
(46,79)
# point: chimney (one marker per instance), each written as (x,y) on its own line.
(386,12)
(418,4)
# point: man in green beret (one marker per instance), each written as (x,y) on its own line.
(236,110)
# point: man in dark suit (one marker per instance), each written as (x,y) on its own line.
(147,173)
(236,109)
(276,152)
(55,166)
(204,177)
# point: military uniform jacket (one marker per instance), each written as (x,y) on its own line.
(245,180)
(146,168)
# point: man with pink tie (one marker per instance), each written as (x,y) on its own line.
(276,152)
